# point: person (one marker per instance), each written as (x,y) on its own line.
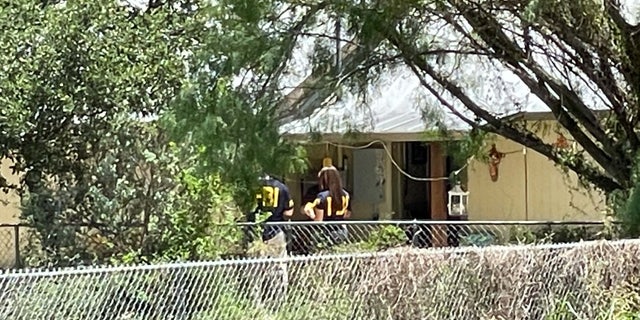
(333,203)
(274,199)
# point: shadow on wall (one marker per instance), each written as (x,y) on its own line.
(9,202)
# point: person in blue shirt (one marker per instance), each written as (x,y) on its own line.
(274,199)
(333,203)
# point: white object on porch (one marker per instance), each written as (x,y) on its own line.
(458,198)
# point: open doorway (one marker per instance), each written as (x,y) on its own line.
(415,194)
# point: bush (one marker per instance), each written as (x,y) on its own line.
(560,233)
(381,238)
(387,237)
(144,202)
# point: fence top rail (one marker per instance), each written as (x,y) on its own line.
(377,222)
(78,225)
(78,271)
(425,222)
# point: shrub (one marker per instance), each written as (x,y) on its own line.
(387,237)
(381,238)
(559,233)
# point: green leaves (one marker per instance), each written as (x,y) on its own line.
(70,70)
(74,80)
(229,105)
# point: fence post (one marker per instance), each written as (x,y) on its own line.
(16,246)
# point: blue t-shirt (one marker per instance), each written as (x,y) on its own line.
(274,198)
(323,201)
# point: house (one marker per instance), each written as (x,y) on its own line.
(395,170)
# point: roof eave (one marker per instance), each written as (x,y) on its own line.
(373,136)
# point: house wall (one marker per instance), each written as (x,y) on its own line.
(9,214)
(9,202)
(530,186)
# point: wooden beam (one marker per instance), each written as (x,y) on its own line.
(437,193)
(437,168)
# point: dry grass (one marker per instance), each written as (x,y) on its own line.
(594,280)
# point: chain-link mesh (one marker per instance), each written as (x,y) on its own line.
(589,280)
(9,251)
(21,246)
(361,236)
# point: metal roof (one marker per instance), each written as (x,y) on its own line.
(398,106)
(393,111)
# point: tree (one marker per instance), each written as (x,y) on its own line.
(591,47)
(571,57)
(99,181)
(75,75)
(230,106)
(72,71)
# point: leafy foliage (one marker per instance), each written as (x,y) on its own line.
(144,202)
(81,80)
(560,234)
(234,121)
(626,206)
(76,75)
(385,237)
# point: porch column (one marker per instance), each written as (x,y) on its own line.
(437,190)
(386,207)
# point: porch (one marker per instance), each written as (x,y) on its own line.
(391,179)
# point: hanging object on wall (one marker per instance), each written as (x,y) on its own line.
(494,160)
(327,162)
(561,142)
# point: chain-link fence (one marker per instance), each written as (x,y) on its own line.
(10,245)
(22,246)
(588,280)
(19,245)
(358,236)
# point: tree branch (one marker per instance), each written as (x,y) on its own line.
(602,75)
(630,39)
(611,159)
(495,125)
(288,49)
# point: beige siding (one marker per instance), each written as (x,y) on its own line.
(536,191)
(503,199)
(9,213)
(9,202)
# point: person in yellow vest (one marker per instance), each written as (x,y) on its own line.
(333,203)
